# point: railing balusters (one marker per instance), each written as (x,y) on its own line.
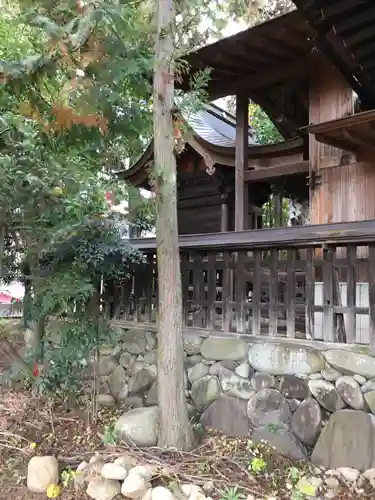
(274,295)
(291,295)
(371,281)
(328,296)
(256,295)
(351,294)
(284,290)
(310,293)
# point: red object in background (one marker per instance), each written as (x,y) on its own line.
(109,197)
(5,297)
(36,369)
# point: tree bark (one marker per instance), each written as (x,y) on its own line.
(174,424)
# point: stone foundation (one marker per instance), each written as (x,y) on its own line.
(305,401)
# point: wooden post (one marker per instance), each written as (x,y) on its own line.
(224,213)
(242,141)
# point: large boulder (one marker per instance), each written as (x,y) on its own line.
(220,348)
(236,386)
(370,400)
(103,489)
(117,383)
(350,392)
(348,440)
(134,341)
(291,386)
(307,421)
(268,406)
(140,381)
(282,439)
(192,343)
(227,415)
(41,472)
(262,381)
(106,365)
(326,394)
(197,371)
(204,391)
(351,363)
(285,359)
(140,425)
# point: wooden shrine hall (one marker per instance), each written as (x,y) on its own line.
(313,73)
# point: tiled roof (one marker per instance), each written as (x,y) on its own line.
(215,126)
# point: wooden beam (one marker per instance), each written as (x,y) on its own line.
(354,21)
(242,142)
(339,6)
(341,233)
(267,173)
(282,72)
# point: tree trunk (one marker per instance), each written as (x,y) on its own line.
(174,425)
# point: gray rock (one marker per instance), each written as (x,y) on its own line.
(291,386)
(268,406)
(285,359)
(105,400)
(134,486)
(262,381)
(358,378)
(243,370)
(150,357)
(350,391)
(220,370)
(315,376)
(103,489)
(307,421)
(152,395)
(126,360)
(349,474)
(368,386)
(370,400)
(227,415)
(140,425)
(330,374)
(134,341)
(134,401)
(114,471)
(117,382)
(197,371)
(106,365)
(326,394)
(41,472)
(190,361)
(293,404)
(282,439)
(236,386)
(161,493)
(192,343)
(348,440)
(140,381)
(127,462)
(150,340)
(220,348)
(204,391)
(351,363)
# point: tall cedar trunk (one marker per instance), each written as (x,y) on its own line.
(174,427)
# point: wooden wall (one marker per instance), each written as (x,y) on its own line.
(344,192)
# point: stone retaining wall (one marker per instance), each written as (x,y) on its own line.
(304,401)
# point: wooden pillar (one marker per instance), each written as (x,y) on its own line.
(224,213)
(242,142)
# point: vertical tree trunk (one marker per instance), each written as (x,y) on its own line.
(174,429)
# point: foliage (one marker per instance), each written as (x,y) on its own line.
(232,493)
(265,130)
(257,465)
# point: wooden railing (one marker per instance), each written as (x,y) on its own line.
(315,282)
